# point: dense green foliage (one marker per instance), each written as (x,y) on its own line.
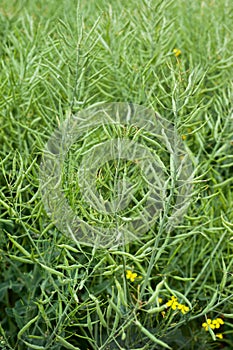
(57,58)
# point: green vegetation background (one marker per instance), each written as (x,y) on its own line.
(57,57)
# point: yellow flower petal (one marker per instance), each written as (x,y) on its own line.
(205,325)
(131,275)
(174,306)
(219,335)
(208,324)
(220,320)
(183,308)
(177,52)
(128,274)
(173,303)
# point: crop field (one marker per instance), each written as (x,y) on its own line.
(116,174)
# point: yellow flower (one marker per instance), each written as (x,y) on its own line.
(177,52)
(219,335)
(160,300)
(208,324)
(173,303)
(131,275)
(183,308)
(218,322)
